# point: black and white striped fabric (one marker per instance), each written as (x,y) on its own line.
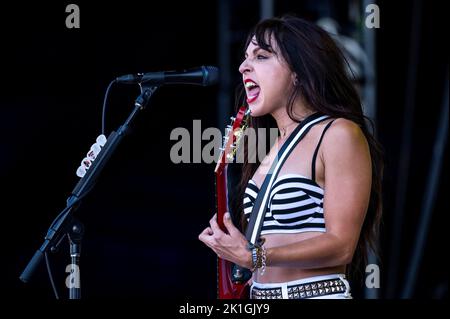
(285,204)
(295,205)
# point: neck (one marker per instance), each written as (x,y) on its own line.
(287,129)
(285,124)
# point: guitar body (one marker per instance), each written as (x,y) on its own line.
(231,282)
(227,288)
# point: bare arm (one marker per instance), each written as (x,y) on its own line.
(348,172)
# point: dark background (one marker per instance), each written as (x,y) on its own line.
(144,215)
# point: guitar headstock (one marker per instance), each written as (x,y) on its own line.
(233,133)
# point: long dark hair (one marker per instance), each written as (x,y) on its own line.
(324,85)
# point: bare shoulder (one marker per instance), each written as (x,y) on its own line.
(345,128)
(344,136)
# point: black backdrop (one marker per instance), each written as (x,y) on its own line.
(145,213)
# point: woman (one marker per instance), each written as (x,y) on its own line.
(325,204)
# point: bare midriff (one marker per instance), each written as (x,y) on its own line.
(289,273)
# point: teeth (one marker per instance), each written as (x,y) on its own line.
(250,84)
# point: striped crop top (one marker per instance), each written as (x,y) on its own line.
(295,202)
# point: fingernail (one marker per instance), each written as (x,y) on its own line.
(227,215)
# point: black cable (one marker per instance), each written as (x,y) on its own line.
(105,99)
(55,291)
(68,207)
(62,213)
(79,198)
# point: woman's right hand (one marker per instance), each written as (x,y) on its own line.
(231,246)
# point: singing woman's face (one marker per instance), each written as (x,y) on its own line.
(267,79)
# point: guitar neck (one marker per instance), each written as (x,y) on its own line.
(221,196)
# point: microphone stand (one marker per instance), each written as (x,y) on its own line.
(75,236)
(65,224)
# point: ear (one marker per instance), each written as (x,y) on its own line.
(294,79)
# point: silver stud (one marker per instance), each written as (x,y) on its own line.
(308,293)
(319,285)
(302,295)
(301,288)
(315,293)
(321,291)
(313,286)
(327,290)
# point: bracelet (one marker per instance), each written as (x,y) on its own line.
(254,259)
(259,258)
(263,260)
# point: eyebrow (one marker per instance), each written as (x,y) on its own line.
(254,51)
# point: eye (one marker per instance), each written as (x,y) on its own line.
(261,57)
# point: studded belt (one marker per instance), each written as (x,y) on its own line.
(301,291)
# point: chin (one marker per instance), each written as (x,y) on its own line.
(258,109)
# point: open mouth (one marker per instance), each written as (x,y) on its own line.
(252,89)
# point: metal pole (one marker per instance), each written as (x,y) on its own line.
(266,9)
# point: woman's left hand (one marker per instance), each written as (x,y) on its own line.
(231,246)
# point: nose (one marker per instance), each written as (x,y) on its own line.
(245,67)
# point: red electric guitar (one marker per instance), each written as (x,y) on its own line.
(232,283)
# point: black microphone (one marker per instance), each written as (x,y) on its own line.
(204,75)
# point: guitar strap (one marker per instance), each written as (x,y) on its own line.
(262,199)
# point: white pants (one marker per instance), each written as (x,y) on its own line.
(284,286)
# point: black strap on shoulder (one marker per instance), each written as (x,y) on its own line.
(316,151)
(257,215)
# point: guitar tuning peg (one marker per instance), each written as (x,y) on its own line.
(238,133)
(232,118)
